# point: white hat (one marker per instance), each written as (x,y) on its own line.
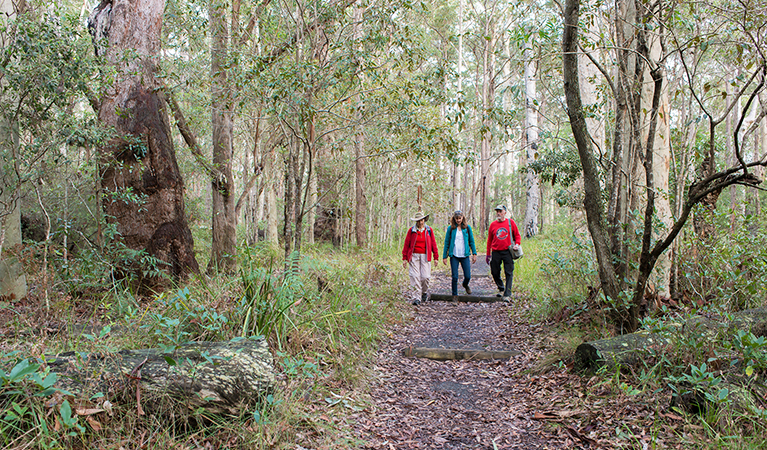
(419,215)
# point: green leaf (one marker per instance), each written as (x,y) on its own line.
(723,394)
(22,369)
(169,360)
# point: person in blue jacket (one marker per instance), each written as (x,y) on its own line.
(459,247)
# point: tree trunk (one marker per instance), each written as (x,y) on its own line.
(661,154)
(221,377)
(531,143)
(13,281)
(143,188)
(593,190)
(360,162)
(223,221)
(488,92)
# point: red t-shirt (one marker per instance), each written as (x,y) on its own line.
(420,242)
(499,237)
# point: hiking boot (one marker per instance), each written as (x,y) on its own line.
(424,296)
(506,299)
(500,292)
(416,302)
(468,289)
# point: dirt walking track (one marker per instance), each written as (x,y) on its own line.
(419,403)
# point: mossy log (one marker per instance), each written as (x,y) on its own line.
(624,349)
(447,354)
(217,376)
(628,348)
(465,298)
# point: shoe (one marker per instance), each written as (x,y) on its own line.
(454,299)
(468,289)
(416,302)
(506,299)
(500,292)
(424,297)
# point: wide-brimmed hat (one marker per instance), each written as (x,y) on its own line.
(500,208)
(419,215)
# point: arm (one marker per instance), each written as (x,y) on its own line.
(515,233)
(471,240)
(446,247)
(489,239)
(408,238)
(434,248)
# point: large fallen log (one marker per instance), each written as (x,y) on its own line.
(628,349)
(447,354)
(217,376)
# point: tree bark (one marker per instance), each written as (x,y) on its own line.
(532,206)
(143,188)
(223,221)
(593,192)
(360,162)
(218,376)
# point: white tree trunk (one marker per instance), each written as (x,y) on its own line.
(13,281)
(661,165)
(531,142)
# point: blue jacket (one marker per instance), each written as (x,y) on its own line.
(449,247)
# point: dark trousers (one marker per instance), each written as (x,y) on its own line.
(465,264)
(502,256)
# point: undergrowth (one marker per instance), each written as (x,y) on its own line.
(322,314)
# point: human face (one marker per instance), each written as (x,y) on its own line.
(458,219)
(420,223)
(500,215)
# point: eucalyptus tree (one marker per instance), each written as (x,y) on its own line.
(143,187)
(624,270)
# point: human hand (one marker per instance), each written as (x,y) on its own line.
(487,259)
(404,264)
(444,261)
(516,247)
(473,259)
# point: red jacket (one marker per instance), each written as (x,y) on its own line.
(499,236)
(431,244)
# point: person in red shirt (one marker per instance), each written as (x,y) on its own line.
(502,236)
(419,250)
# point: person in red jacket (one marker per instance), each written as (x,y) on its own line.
(502,236)
(419,250)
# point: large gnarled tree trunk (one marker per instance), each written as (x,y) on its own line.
(143,188)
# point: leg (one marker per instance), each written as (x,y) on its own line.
(466,266)
(508,269)
(425,276)
(414,270)
(495,269)
(454,272)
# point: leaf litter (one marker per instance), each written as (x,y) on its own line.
(418,403)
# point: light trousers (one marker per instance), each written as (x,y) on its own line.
(420,274)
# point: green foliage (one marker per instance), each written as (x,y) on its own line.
(266,299)
(567,269)
(730,268)
(30,408)
(180,319)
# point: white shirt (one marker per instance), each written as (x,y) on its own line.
(459,251)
